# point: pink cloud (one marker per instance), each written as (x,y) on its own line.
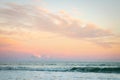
(21,16)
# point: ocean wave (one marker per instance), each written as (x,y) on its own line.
(96,69)
(73,69)
(31,68)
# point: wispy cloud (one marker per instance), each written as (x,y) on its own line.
(39,18)
(21,19)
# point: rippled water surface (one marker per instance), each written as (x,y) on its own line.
(60,71)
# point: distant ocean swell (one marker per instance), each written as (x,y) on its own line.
(73,69)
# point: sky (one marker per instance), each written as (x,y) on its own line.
(52,30)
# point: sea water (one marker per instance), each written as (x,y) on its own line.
(60,71)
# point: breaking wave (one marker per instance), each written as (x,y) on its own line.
(73,69)
(96,69)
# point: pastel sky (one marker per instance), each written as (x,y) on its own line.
(60,30)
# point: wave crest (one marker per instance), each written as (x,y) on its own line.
(96,69)
(73,69)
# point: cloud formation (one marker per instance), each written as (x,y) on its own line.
(22,16)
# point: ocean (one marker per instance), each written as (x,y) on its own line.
(60,71)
